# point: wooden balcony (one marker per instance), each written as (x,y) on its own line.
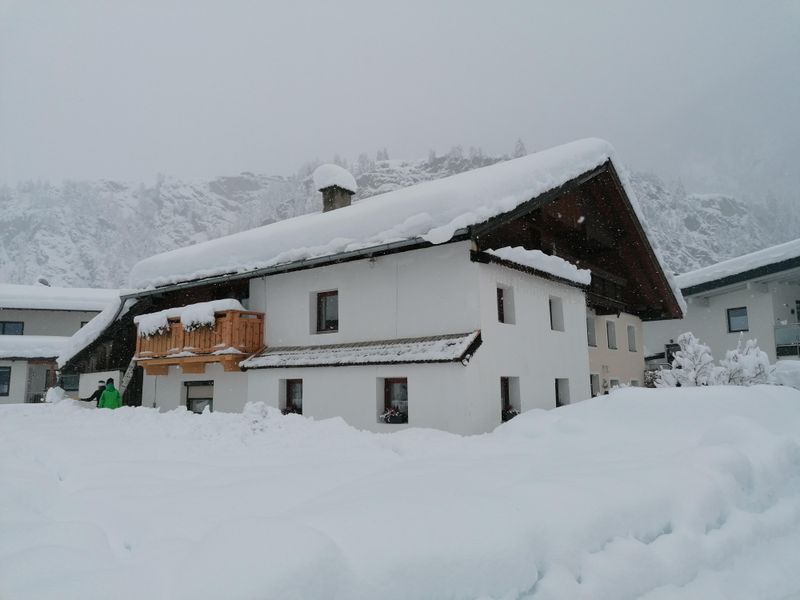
(235,335)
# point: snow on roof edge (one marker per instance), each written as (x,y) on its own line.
(740,264)
(31,346)
(87,334)
(42,297)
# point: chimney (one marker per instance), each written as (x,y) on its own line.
(336,184)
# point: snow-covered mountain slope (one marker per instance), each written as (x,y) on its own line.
(91,233)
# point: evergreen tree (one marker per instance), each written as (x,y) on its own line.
(520,149)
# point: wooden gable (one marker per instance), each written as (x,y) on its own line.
(590,222)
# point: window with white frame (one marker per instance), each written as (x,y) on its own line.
(631,338)
(556,314)
(509,398)
(327,313)
(594,384)
(199,395)
(562,391)
(395,400)
(5,381)
(591,330)
(505,304)
(611,334)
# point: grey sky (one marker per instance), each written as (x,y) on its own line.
(706,90)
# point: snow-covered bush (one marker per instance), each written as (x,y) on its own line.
(747,364)
(693,365)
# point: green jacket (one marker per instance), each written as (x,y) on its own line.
(110,398)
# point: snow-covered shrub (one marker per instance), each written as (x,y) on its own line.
(392,415)
(747,364)
(693,365)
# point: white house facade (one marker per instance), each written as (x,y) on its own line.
(35,325)
(454,304)
(755,296)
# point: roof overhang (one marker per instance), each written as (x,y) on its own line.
(766,271)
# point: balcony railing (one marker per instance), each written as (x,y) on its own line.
(235,333)
(787,339)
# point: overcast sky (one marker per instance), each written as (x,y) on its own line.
(708,91)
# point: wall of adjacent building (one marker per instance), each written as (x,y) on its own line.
(622,364)
(47,322)
(706,318)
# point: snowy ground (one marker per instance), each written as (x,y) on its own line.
(688,493)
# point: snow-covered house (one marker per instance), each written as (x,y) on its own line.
(448,304)
(36,322)
(756,295)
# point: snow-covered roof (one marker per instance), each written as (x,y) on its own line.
(441,348)
(741,264)
(55,298)
(329,175)
(433,211)
(536,259)
(31,346)
(192,316)
(93,329)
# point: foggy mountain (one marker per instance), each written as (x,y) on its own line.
(90,233)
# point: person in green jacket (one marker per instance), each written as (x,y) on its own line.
(110,398)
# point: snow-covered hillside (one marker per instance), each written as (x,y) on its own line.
(690,493)
(91,233)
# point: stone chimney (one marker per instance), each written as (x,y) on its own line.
(336,184)
(334,196)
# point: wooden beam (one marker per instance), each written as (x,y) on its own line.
(193,367)
(154,370)
(231,364)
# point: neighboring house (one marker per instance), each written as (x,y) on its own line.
(449,304)
(36,322)
(756,296)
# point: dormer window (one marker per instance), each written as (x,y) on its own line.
(327,311)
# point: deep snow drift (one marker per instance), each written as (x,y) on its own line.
(687,493)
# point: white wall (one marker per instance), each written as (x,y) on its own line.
(528,348)
(167,392)
(784,301)
(88,382)
(706,318)
(423,292)
(19,381)
(47,322)
(437,394)
(620,364)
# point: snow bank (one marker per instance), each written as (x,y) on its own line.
(32,346)
(42,297)
(741,264)
(536,259)
(93,329)
(786,372)
(433,211)
(654,494)
(330,175)
(192,316)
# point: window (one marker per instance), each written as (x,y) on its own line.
(631,338)
(556,314)
(670,350)
(70,382)
(501,311)
(11,327)
(591,331)
(327,311)
(562,392)
(635,383)
(737,319)
(505,304)
(5,381)
(294,397)
(199,395)
(509,398)
(612,383)
(611,334)
(594,384)
(395,400)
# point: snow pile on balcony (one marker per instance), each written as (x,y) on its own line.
(333,175)
(536,259)
(741,264)
(42,297)
(441,348)
(192,316)
(654,494)
(89,333)
(31,346)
